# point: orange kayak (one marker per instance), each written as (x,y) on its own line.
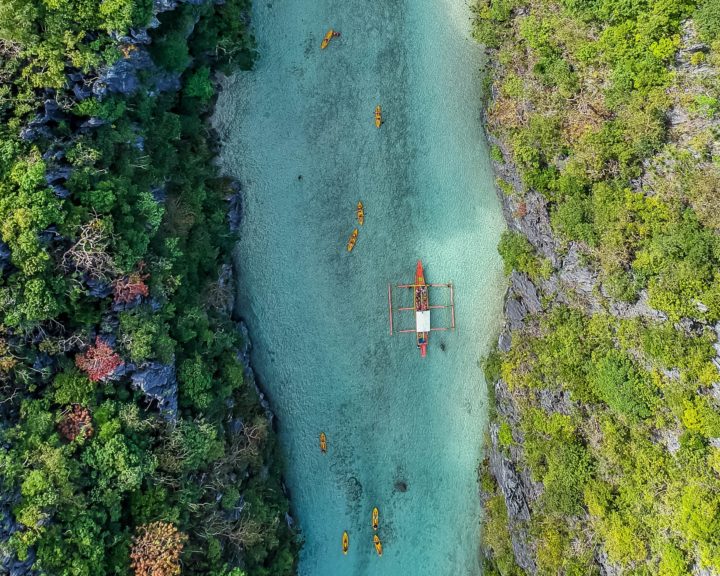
(323,442)
(346,542)
(378,544)
(326,40)
(360,213)
(352,240)
(378,116)
(375,518)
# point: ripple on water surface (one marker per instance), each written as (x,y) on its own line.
(404,434)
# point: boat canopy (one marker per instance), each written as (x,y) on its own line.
(422,321)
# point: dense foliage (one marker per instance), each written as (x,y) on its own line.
(609,110)
(126,419)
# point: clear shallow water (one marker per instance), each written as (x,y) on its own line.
(318,315)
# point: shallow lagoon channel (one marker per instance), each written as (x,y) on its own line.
(404,434)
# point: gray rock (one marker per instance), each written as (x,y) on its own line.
(60,191)
(677,116)
(135,36)
(235,209)
(580,278)
(53,153)
(81,92)
(521,300)
(244,356)
(160,6)
(9,563)
(93,122)
(226,285)
(513,492)
(158,382)
(606,568)
(555,401)
(98,288)
(698,571)
(515,313)
(535,226)
(29,134)
(58,174)
(525,290)
(5,256)
(504,341)
(122,77)
(640,309)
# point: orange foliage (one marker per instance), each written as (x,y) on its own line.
(156,550)
(130,287)
(76,422)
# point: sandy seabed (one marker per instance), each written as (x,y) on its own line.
(299,135)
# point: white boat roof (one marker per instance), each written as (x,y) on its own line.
(422,321)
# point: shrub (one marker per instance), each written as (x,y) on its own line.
(707,19)
(518,254)
(620,385)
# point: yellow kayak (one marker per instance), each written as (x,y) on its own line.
(360,213)
(375,518)
(346,542)
(352,240)
(378,116)
(326,40)
(378,544)
(323,442)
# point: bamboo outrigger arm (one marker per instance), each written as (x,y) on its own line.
(451,306)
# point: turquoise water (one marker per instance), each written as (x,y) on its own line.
(299,135)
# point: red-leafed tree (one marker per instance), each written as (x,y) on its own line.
(128,288)
(98,361)
(76,422)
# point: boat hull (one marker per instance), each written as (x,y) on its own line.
(378,545)
(326,39)
(352,240)
(422,309)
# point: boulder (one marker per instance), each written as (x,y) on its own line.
(58,174)
(158,382)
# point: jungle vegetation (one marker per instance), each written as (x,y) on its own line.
(114,237)
(609,109)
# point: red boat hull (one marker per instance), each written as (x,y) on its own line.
(419,273)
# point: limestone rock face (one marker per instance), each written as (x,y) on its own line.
(158,382)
